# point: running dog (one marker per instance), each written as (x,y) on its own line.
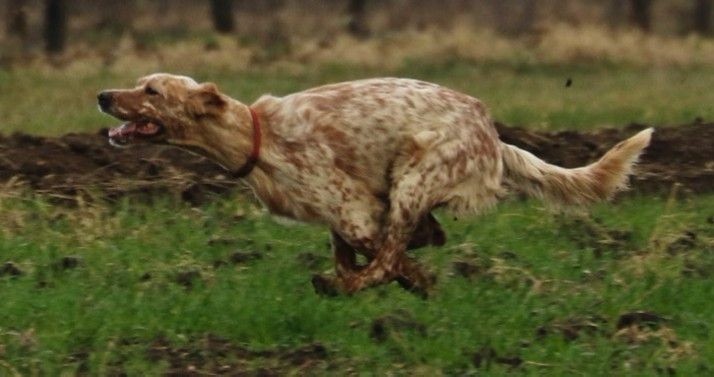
(370,159)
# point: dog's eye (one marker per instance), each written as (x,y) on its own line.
(150,91)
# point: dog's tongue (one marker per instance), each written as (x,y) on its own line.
(123,132)
(128,130)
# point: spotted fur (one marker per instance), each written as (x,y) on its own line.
(370,159)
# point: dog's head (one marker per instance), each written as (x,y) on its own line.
(164,108)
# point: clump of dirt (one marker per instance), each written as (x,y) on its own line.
(682,244)
(590,233)
(643,328)
(227,241)
(640,319)
(574,327)
(312,261)
(504,269)
(470,269)
(698,254)
(187,277)
(74,164)
(238,257)
(213,355)
(10,269)
(68,262)
(485,356)
(389,325)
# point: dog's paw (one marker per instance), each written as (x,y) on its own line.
(325,286)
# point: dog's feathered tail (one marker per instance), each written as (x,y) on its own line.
(598,181)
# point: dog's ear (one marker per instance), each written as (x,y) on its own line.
(206,99)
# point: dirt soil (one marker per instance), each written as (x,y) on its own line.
(85,163)
(214,356)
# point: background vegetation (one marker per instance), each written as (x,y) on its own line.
(160,286)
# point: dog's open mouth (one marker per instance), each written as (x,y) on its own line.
(134,131)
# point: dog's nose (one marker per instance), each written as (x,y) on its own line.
(104,99)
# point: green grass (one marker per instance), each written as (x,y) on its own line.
(536,270)
(533,95)
(539,268)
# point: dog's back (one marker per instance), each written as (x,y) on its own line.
(368,124)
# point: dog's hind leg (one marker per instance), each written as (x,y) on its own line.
(422,179)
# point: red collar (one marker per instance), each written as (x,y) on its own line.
(255,153)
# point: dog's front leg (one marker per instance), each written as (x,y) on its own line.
(355,228)
(421,186)
(390,262)
(345,264)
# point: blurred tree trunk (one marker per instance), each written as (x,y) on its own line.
(615,13)
(515,17)
(358,23)
(499,9)
(528,16)
(16,19)
(117,16)
(640,13)
(702,16)
(55,26)
(222,12)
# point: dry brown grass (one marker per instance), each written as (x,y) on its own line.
(301,34)
(556,44)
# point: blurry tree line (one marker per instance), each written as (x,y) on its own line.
(512,17)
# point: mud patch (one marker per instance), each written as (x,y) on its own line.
(85,164)
(393,324)
(76,164)
(213,355)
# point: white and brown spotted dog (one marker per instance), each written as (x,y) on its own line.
(369,158)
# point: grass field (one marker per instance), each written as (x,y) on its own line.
(544,288)
(517,94)
(624,290)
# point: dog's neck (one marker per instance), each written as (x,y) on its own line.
(273,180)
(254,155)
(231,146)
